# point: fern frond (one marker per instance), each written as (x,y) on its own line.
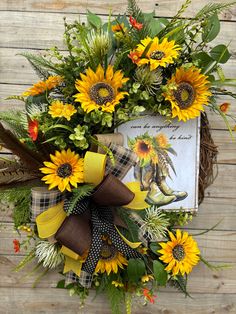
(183,8)
(180,283)
(15,120)
(116,298)
(42,73)
(78,195)
(41,63)
(212,8)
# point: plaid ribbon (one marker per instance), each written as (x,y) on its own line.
(42,199)
(85,279)
(124,160)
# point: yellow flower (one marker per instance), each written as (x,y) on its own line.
(162,140)
(66,169)
(181,253)
(191,92)
(43,86)
(59,110)
(99,90)
(110,259)
(117,284)
(119,28)
(144,149)
(158,54)
(146,278)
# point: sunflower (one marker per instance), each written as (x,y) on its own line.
(144,149)
(158,54)
(99,90)
(110,259)
(181,253)
(66,169)
(162,140)
(191,92)
(43,86)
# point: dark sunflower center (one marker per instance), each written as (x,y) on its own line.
(101,93)
(178,252)
(144,147)
(157,55)
(64,170)
(107,252)
(184,95)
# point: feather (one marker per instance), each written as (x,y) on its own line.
(168,159)
(13,173)
(29,158)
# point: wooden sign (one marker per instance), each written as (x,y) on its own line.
(168,160)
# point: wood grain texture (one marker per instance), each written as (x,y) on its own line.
(16,30)
(166,8)
(30,25)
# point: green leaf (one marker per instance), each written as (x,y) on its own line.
(202,58)
(155,247)
(220,54)
(61,284)
(211,29)
(94,20)
(136,269)
(159,273)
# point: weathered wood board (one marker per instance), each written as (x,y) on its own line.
(30,25)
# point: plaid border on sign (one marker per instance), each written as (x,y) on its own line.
(42,199)
(124,160)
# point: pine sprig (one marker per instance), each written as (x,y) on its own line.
(78,195)
(180,283)
(212,8)
(20,197)
(133,9)
(116,298)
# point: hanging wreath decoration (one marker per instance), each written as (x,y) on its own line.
(66,177)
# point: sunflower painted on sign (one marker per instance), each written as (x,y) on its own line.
(190,93)
(156,53)
(143,147)
(100,90)
(181,253)
(66,169)
(110,259)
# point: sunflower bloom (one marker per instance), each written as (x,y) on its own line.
(99,90)
(119,28)
(190,95)
(66,169)
(59,110)
(162,140)
(158,54)
(181,253)
(110,259)
(43,86)
(144,149)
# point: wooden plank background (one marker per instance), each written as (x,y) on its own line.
(30,25)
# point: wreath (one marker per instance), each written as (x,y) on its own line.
(66,173)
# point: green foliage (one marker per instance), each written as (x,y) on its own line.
(159,273)
(178,218)
(136,269)
(78,194)
(21,198)
(131,233)
(116,298)
(133,9)
(220,54)
(94,20)
(211,28)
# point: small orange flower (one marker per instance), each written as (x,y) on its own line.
(162,140)
(134,56)
(16,244)
(119,28)
(135,24)
(148,295)
(33,129)
(234,128)
(224,107)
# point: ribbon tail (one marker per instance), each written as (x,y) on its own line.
(133,245)
(71,264)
